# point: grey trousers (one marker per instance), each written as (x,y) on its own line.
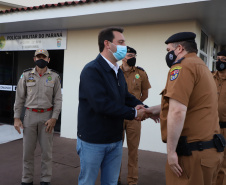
(34,130)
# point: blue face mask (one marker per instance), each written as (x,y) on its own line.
(120,53)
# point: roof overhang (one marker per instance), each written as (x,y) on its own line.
(210,14)
(10,4)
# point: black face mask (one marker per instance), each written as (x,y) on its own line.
(131,62)
(170,58)
(41,63)
(220,65)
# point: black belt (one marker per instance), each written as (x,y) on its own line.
(201,145)
(185,149)
(222,124)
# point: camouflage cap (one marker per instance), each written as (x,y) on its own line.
(42,51)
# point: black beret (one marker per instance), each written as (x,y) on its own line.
(131,50)
(222,53)
(181,36)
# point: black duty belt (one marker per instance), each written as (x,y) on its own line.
(185,149)
(201,145)
(222,124)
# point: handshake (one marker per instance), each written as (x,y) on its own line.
(151,112)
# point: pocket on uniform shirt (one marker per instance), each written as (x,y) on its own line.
(30,87)
(30,84)
(137,85)
(49,84)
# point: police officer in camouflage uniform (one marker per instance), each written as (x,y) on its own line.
(39,91)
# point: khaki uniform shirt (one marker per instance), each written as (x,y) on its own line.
(42,92)
(137,81)
(221,92)
(191,83)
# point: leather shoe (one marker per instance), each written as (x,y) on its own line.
(23,183)
(44,183)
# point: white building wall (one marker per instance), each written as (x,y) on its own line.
(148,40)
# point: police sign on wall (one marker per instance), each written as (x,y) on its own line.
(33,40)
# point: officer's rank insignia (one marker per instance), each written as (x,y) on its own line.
(49,78)
(174,73)
(137,76)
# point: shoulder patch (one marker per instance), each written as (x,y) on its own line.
(27,69)
(54,71)
(140,68)
(174,72)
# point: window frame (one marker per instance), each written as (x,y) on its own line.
(201,52)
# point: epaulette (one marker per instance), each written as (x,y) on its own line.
(140,68)
(55,71)
(27,69)
(178,61)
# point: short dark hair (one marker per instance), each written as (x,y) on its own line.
(189,46)
(107,34)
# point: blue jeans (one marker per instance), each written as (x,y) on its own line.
(93,157)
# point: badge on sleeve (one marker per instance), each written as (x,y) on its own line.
(174,73)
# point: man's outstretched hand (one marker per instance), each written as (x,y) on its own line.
(151,112)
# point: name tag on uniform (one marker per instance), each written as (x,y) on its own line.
(30,80)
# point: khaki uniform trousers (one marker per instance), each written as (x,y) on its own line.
(133,130)
(221,178)
(201,168)
(34,129)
